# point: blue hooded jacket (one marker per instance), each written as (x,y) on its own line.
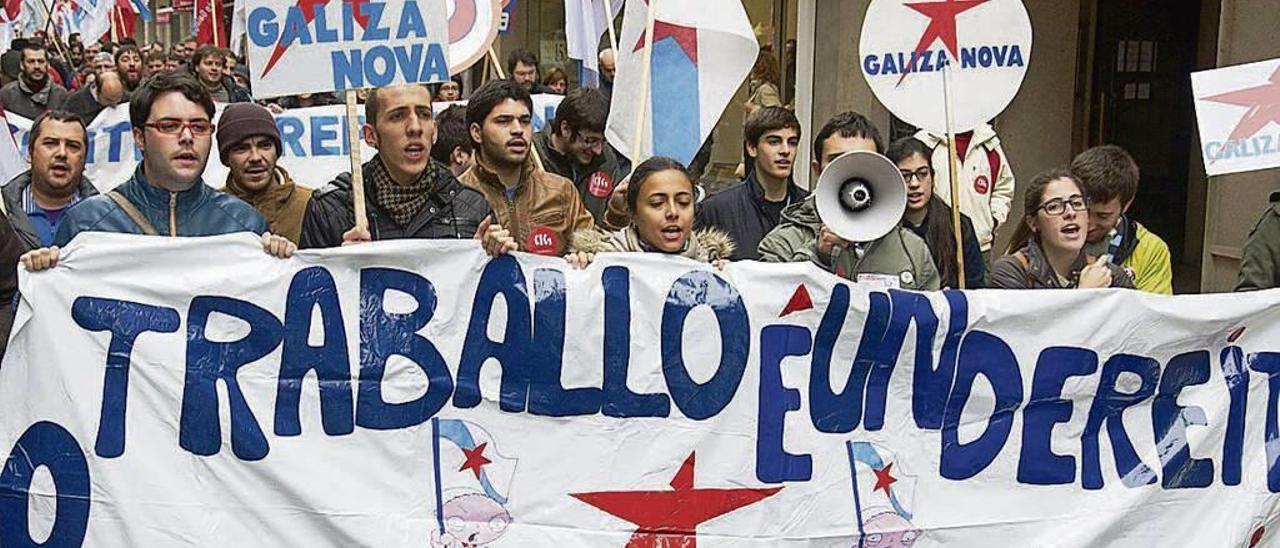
(197,211)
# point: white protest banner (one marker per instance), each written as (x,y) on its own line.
(1238,108)
(310,47)
(164,392)
(985,45)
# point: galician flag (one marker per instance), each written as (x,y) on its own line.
(702,51)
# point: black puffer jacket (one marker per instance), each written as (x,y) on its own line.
(454,212)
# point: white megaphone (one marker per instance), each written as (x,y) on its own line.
(861,196)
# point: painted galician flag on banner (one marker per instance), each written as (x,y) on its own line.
(208,24)
(1238,109)
(702,51)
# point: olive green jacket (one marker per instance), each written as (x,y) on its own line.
(1260,263)
(899,254)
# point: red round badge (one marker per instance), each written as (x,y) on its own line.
(982,184)
(600,184)
(543,241)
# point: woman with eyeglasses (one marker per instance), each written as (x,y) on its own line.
(929,218)
(1047,249)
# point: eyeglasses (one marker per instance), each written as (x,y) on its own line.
(590,142)
(200,128)
(919,174)
(1058,206)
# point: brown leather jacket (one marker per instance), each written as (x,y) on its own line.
(542,213)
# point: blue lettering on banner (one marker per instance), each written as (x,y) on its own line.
(975,57)
(49,445)
(532,362)
(125,321)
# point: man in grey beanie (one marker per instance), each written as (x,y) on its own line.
(249,144)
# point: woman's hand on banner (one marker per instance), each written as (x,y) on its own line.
(278,246)
(580,259)
(37,260)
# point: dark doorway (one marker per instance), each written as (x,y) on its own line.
(1140,99)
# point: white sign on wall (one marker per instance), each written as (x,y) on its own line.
(1238,109)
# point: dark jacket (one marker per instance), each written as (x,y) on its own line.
(197,211)
(594,181)
(83,104)
(17,236)
(739,212)
(235,93)
(975,267)
(1260,262)
(19,102)
(1029,269)
(454,212)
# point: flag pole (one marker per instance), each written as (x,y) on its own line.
(955,177)
(613,37)
(357,167)
(213,14)
(637,145)
(497,67)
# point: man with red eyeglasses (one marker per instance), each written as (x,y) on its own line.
(171,116)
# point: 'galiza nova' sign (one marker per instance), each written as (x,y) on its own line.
(985,46)
(1237,108)
(308,47)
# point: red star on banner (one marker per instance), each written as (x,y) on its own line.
(942,24)
(308,14)
(687,37)
(475,459)
(671,518)
(1263,103)
(884,478)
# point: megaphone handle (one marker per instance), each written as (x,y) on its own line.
(836,252)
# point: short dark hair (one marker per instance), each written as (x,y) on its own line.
(32,45)
(56,115)
(159,84)
(155,56)
(1107,172)
(768,119)
(451,133)
(372,104)
(649,167)
(847,124)
(490,95)
(120,51)
(907,147)
(582,109)
(520,55)
(206,51)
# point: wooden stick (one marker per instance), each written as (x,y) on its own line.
(955,178)
(213,14)
(357,167)
(613,37)
(637,146)
(537,158)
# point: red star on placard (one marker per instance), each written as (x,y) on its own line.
(687,37)
(308,14)
(475,459)
(800,300)
(671,518)
(884,478)
(1263,103)
(942,24)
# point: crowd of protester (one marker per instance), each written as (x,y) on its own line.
(480,171)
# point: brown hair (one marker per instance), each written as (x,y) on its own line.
(766,69)
(1107,172)
(1022,235)
(768,119)
(553,74)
